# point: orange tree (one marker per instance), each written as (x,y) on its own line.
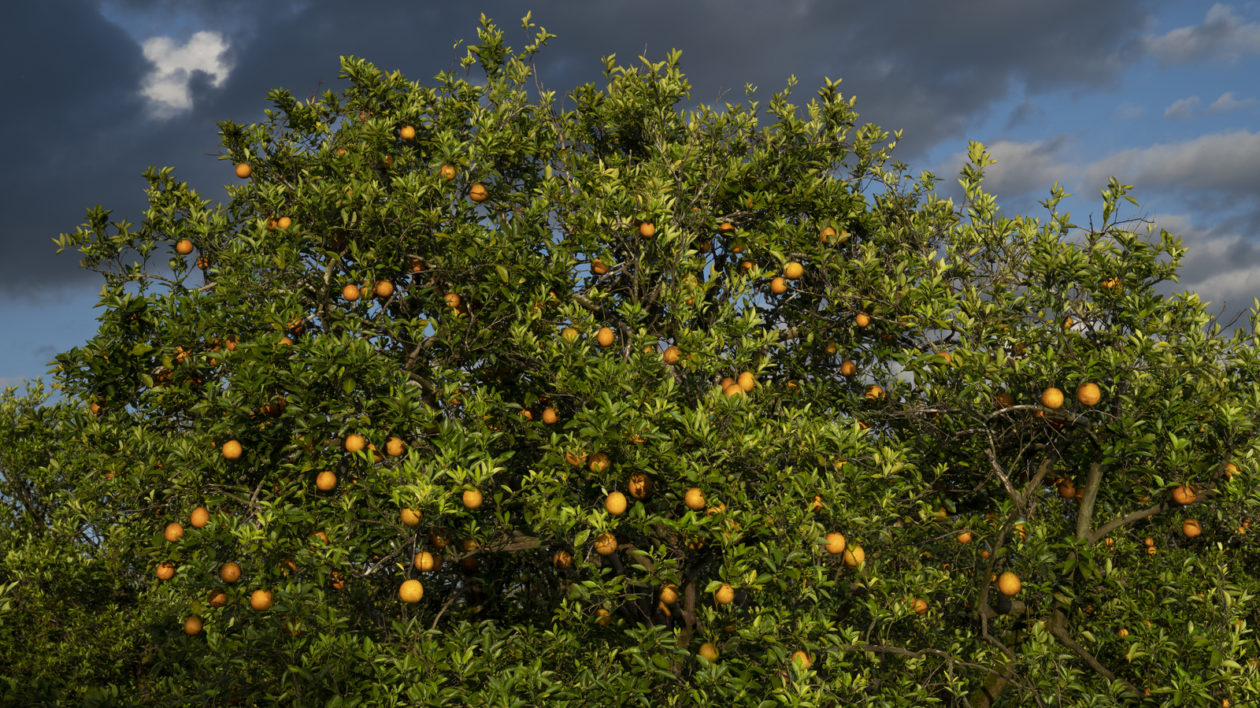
(473,394)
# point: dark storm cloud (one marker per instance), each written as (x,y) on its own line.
(932,69)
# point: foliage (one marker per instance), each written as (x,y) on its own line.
(477,321)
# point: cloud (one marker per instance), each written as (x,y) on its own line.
(1025,112)
(1221,264)
(1223,36)
(1127,111)
(1227,102)
(1182,108)
(1228,163)
(174,67)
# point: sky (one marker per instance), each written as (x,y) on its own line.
(1152,92)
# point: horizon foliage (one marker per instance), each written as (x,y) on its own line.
(514,358)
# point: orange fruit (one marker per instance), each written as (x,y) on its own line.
(598,267)
(577,458)
(284,222)
(1088,394)
(451,299)
(801,659)
(165,571)
(1230,470)
(615,503)
(1052,398)
(854,557)
(355,442)
(1191,528)
(192,625)
(605,544)
(260,600)
(478,192)
(200,517)
(1004,400)
(243,170)
(919,605)
(671,355)
(1184,495)
(793,270)
(599,462)
(230,572)
(964,537)
(604,617)
(562,559)
(409,517)
(726,227)
(394,447)
(217,598)
(669,594)
(472,498)
(694,499)
(640,485)
(708,651)
(835,543)
(604,336)
(848,368)
(411,591)
(407,132)
(549,416)
(862,319)
(426,562)
(874,392)
(350,292)
(647,229)
(448,171)
(325,481)
(827,234)
(231,450)
(725,594)
(174,532)
(384,289)
(183,247)
(778,286)
(1008,583)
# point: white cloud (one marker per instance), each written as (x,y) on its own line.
(1223,35)
(1182,108)
(1227,102)
(167,85)
(1225,162)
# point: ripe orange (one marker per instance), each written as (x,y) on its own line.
(598,267)
(671,355)
(1191,528)
(1230,470)
(384,289)
(874,392)
(708,651)
(605,544)
(165,571)
(1088,394)
(174,532)
(562,559)
(918,605)
(427,562)
(394,447)
(826,235)
(355,442)
(200,517)
(478,192)
(801,659)
(647,229)
(1008,583)
(862,319)
(284,222)
(409,516)
(793,270)
(964,537)
(183,247)
(231,449)
(746,381)
(217,598)
(325,481)
(640,485)
(854,557)
(835,543)
(669,594)
(1052,398)
(243,170)
(549,416)
(407,132)
(848,368)
(350,292)
(472,498)
(192,625)
(1004,400)
(230,572)
(726,227)
(778,286)
(448,171)
(694,499)
(725,594)
(604,336)
(604,617)
(599,462)
(1184,495)
(615,503)
(411,591)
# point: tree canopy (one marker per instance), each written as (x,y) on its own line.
(472,393)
